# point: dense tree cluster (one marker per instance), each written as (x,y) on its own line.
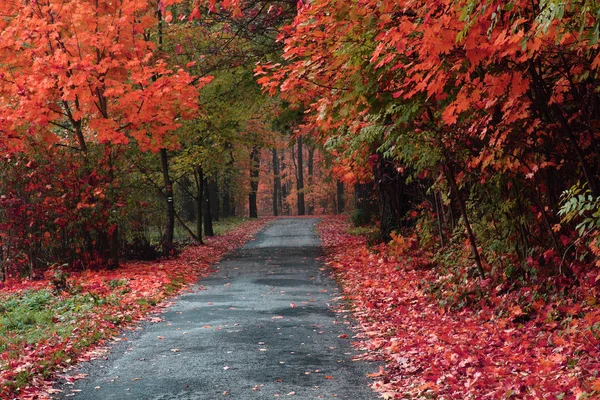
(125,123)
(478,120)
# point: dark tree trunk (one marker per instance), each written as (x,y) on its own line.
(449,172)
(393,201)
(284,191)
(113,230)
(207,217)
(213,195)
(300,179)
(365,203)
(341,201)
(199,176)
(276,182)
(167,239)
(226,189)
(254,175)
(310,165)
(226,204)
(188,206)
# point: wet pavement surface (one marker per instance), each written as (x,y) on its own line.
(260,327)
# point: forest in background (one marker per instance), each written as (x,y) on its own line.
(128,127)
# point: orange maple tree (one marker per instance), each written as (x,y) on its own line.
(81,83)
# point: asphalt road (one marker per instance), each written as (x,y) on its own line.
(261,327)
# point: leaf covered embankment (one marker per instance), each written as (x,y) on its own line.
(50,324)
(511,344)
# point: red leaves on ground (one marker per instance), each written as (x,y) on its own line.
(478,353)
(145,284)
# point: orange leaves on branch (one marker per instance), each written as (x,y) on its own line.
(74,73)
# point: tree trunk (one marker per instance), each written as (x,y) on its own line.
(226,189)
(276,182)
(449,172)
(167,239)
(365,203)
(213,194)
(393,201)
(341,201)
(208,219)
(254,175)
(113,230)
(300,179)
(284,191)
(310,162)
(188,206)
(227,210)
(199,176)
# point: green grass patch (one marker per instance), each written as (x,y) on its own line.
(227,224)
(40,316)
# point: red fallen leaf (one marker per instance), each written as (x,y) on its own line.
(293,305)
(328,377)
(343,336)
(381,372)
(450,354)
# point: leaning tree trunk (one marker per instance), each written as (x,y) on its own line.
(254,174)
(449,172)
(167,239)
(300,179)
(276,182)
(393,202)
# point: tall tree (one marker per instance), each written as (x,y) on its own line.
(276,182)
(300,178)
(254,176)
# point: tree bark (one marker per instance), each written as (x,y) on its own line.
(167,239)
(254,175)
(364,202)
(213,194)
(199,176)
(208,219)
(276,182)
(310,165)
(284,192)
(300,179)
(341,201)
(188,206)
(226,189)
(449,172)
(393,202)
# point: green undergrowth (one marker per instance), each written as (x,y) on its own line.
(34,317)
(371,233)
(225,225)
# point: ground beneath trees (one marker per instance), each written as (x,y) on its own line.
(511,345)
(43,331)
(261,327)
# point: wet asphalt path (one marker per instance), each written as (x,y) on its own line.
(261,328)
